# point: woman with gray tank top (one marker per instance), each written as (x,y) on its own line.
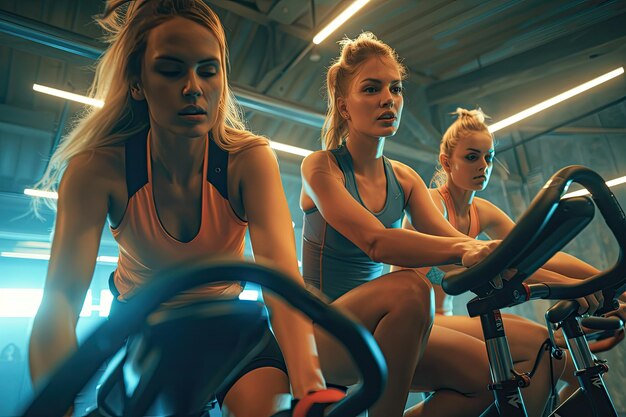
(354,200)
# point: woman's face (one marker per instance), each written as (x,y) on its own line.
(469,167)
(181,78)
(373,105)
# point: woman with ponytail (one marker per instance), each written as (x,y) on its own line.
(354,199)
(169,164)
(466,158)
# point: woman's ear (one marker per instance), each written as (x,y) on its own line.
(445,162)
(343,108)
(136,91)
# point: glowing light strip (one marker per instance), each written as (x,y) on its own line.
(290,149)
(67,95)
(610,183)
(46,257)
(23,255)
(555,100)
(24,302)
(38,193)
(339,20)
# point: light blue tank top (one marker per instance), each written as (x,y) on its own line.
(331,262)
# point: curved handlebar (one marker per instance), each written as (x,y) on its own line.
(76,370)
(518,246)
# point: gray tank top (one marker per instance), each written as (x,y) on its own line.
(331,262)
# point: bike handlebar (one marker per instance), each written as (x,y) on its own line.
(518,247)
(76,370)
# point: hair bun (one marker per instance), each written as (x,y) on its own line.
(475,114)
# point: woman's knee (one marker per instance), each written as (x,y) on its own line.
(411,296)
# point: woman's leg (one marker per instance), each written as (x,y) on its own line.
(455,368)
(397,309)
(259,393)
(525,339)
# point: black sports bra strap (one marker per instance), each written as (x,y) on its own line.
(136,161)
(217,172)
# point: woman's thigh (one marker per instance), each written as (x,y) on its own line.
(403,292)
(454,361)
(259,393)
(525,336)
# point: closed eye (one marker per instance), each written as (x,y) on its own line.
(208,70)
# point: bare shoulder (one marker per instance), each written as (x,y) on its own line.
(99,167)
(493,220)
(94,184)
(485,206)
(321,159)
(403,171)
(321,162)
(253,159)
(408,179)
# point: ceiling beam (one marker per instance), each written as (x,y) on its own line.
(42,33)
(261,18)
(507,72)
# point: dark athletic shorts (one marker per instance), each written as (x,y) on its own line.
(270,356)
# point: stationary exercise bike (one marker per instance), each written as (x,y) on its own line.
(548,224)
(178,358)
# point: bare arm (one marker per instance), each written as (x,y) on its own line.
(272,239)
(393,246)
(82,209)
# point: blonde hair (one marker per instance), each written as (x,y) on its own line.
(467,122)
(127,25)
(354,52)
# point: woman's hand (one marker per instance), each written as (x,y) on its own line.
(477,250)
(590,303)
(315,404)
(620,312)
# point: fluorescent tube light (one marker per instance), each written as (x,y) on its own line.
(67,95)
(26,255)
(290,149)
(46,257)
(38,193)
(610,183)
(339,20)
(555,100)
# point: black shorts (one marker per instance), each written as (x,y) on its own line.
(270,356)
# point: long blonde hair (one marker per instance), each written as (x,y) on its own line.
(127,25)
(467,122)
(354,52)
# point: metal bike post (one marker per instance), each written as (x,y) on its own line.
(506,382)
(589,373)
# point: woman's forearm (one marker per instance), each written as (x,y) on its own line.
(294,333)
(53,336)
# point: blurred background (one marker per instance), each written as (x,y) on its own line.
(501,55)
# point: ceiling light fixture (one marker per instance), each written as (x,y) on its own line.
(339,20)
(555,100)
(610,183)
(67,95)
